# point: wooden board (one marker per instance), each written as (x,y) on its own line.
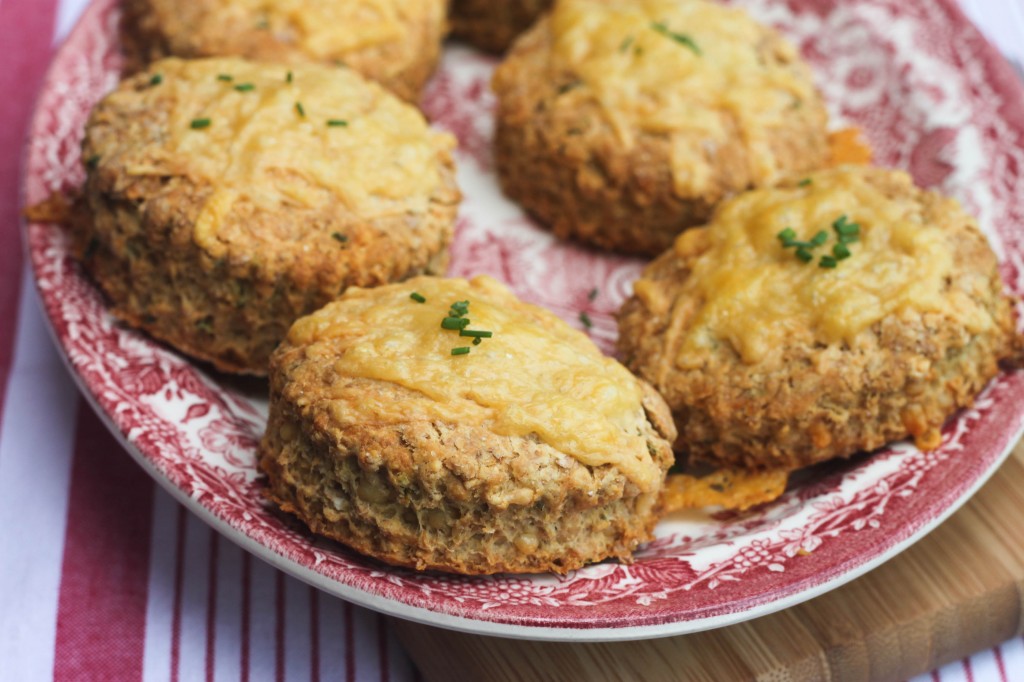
(958,591)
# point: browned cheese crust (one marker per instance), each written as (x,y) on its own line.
(491,25)
(231,299)
(807,401)
(443,494)
(568,167)
(402,60)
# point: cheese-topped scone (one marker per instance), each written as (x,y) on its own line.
(444,424)
(621,123)
(394,42)
(227,198)
(833,314)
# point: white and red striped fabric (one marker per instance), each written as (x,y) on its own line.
(102,575)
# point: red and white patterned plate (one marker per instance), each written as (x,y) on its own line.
(932,96)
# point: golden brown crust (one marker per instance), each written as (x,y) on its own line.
(272,266)
(568,167)
(433,494)
(491,25)
(154,29)
(809,402)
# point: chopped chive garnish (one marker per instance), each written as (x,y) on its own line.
(804,183)
(157,79)
(593,294)
(263,24)
(225,77)
(337,123)
(787,236)
(803,254)
(454,323)
(245,87)
(288,78)
(419,298)
(198,123)
(300,110)
(624,47)
(843,226)
(841,251)
(339,237)
(473,333)
(476,341)
(680,38)
(205,324)
(848,238)
(585,319)
(92,161)
(459,308)
(827,262)
(820,238)
(464,350)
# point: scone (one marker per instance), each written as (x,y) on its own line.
(492,25)
(621,123)
(227,198)
(396,43)
(443,424)
(830,315)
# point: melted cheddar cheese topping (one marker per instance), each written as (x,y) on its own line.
(322,29)
(680,66)
(265,138)
(757,296)
(536,375)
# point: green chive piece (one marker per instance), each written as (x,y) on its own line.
(245,87)
(804,183)
(225,77)
(624,47)
(476,334)
(848,238)
(339,237)
(585,319)
(841,251)
(680,38)
(464,350)
(827,262)
(92,161)
(454,323)
(205,324)
(198,123)
(419,298)
(842,225)
(263,24)
(459,308)
(337,123)
(289,78)
(593,294)
(476,341)
(157,79)
(300,110)
(820,238)
(803,254)
(787,236)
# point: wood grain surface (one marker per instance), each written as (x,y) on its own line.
(957,591)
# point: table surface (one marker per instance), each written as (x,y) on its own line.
(102,574)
